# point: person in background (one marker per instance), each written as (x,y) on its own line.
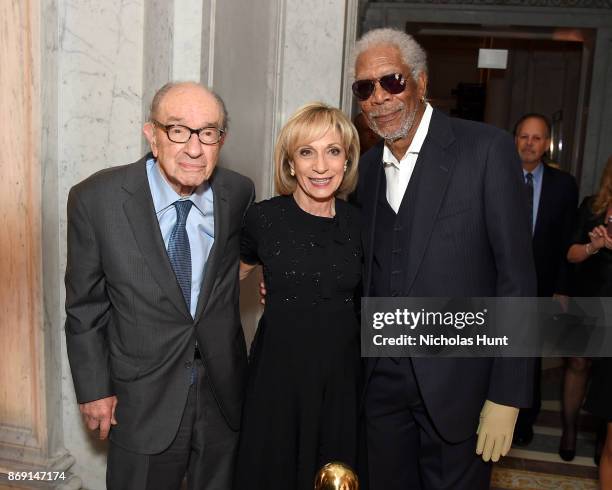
(301,405)
(552,196)
(592,250)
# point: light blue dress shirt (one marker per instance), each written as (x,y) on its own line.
(200,224)
(538,175)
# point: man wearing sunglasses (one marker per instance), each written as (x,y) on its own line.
(440,200)
(153,330)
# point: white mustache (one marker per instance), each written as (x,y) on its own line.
(384,111)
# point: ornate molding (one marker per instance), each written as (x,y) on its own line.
(585,4)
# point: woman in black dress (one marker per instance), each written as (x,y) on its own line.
(592,249)
(300,409)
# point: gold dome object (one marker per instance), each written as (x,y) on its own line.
(336,476)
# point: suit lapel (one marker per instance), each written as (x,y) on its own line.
(369,199)
(141,216)
(222,214)
(437,163)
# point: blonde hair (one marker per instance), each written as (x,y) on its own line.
(309,123)
(603,198)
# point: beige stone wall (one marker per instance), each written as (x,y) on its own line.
(22,429)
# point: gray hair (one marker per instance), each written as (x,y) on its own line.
(412,53)
(159,95)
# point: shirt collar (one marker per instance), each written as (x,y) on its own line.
(536,172)
(165,196)
(417,141)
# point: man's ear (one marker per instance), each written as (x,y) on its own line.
(422,85)
(149,131)
(222,140)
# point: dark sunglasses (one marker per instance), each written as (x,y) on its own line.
(394,83)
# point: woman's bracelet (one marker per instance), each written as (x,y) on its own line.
(589,250)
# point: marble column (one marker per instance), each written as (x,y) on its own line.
(30,412)
(99,91)
(313,54)
(22,409)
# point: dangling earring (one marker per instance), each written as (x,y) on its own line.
(292,172)
(345,166)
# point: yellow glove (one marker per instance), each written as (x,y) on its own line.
(495,430)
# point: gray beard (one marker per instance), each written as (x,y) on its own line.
(400,133)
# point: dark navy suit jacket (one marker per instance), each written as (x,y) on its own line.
(469,237)
(553,231)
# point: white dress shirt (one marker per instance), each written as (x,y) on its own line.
(200,224)
(398,173)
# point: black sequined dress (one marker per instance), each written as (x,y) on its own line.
(301,405)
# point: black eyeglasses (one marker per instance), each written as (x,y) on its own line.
(394,83)
(177,133)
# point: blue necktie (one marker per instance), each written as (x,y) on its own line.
(529,186)
(179,251)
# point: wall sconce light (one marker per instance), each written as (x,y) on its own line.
(496,59)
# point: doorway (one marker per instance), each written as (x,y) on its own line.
(548,71)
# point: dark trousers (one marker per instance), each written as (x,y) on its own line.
(203,450)
(528,416)
(405,452)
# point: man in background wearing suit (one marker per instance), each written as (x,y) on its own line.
(439,198)
(552,197)
(153,330)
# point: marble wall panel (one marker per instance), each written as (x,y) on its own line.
(312,63)
(187,46)
(157,50)
(101,85)
(100,79)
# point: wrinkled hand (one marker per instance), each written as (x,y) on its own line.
(100,414)
(495,430)
(262,293)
